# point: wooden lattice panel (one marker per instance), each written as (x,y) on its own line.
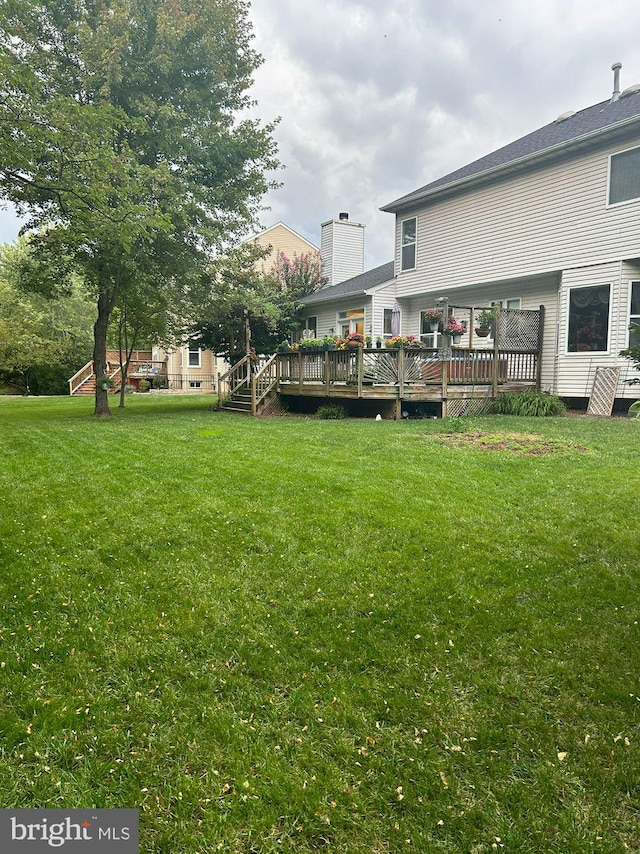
(472,406)
(603,393)
(519,329)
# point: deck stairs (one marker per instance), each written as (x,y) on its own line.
(88,386)
(249,387)
(239,400)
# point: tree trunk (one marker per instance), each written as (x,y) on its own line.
(100,356)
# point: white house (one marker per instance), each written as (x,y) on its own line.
(552,219)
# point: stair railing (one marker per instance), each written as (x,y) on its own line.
(263,380)
(236,377)
(80,377)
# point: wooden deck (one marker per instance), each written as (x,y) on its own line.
(419,375)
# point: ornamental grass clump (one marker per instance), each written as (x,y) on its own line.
(529,403)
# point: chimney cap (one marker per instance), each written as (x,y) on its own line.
(343,215)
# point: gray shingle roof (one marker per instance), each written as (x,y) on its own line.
(559,136)
(355,285)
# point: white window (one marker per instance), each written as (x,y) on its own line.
(387,320)
(634,315)
(510,303)
(624,176)
(194,357)
(195,384)
(408,244)
(310,328)
(351,321)
(589,319)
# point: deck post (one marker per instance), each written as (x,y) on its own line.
(401,372)
(327,373)
(359,363)
(254,404)
(539,355)
(300,371)
(496,358)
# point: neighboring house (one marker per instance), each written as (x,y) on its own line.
(192,369)
(550,220)
(280,238)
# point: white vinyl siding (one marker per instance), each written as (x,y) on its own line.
(547,220)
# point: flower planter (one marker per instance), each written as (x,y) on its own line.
(434,326)
(483,331)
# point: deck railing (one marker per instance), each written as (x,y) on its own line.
(408,367)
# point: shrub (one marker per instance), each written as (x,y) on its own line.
(530,403)
(331,411)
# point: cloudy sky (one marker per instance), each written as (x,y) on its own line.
(380,97)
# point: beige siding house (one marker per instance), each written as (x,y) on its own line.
(192,369)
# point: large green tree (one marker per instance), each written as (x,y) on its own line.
(121,138)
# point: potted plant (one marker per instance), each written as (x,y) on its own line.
(355,339)
(433,316)
(485,320)
(401,341)
(367,340)
(454,329)
(379,342)
(329,342)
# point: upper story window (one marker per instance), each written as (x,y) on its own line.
(589,319)
(624,176)
(194,355)
(408,244)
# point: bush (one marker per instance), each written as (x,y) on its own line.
(531,403)
(331,411)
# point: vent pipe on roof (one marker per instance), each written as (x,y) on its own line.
(616,81)
(343,216)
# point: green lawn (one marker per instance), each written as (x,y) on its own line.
(301,635)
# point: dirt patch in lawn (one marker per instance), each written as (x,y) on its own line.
(518,443)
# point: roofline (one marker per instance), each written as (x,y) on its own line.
(284,225)
(411,200)
(362,292)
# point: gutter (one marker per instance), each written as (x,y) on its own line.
(407,203)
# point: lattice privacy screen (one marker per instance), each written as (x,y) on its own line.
(519,329)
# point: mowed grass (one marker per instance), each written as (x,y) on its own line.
(301,635)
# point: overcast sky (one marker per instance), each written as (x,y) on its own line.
(378,98)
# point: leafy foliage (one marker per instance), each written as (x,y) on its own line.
(331,412)
(528,403)
(42,340)
(119,133)
(633,353)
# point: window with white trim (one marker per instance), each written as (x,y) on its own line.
(634,314)
(624,176)
(194,355)
(387,320)
(588,330)
(408,239)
